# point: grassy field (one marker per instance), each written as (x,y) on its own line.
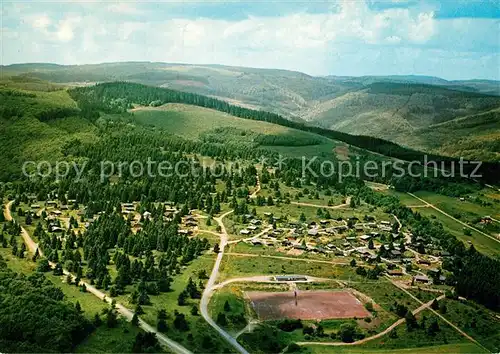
(168,301)
(465,210)
(192,121)
(437,349)
(239,266)
(418,337)
(404,198)
(237,307)
(195,338)
(102,339)
(384,294)
(480,323)
(481,243)
(109,340)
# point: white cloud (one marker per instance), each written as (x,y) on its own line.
(42,22)
(124,8)
(65,29)
(353,39)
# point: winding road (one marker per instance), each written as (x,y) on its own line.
(210,287)
(263,232)
(125,312)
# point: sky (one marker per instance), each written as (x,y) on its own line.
(452,39)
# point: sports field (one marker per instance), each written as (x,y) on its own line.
(307,305)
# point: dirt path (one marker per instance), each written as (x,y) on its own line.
(201,231)
(378,335)
(263,232)
(439,315)
(399,222)
(125,312)
(346,204)
(285,258)
(30,244)
(257,189)
(451,217)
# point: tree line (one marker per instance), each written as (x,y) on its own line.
(117,97)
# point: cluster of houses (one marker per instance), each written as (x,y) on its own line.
(128,208)
(54,210)
(322,236)
(330,237)
(254,224)
(189,223)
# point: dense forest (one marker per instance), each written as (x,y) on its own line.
(147,261)
(34,317)
(197,190)
(119,96)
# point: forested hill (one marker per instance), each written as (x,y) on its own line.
(117,97)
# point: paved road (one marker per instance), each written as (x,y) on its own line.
(451,217)
(125,312)
(207,293)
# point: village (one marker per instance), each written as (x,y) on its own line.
(360,254)
(368,241)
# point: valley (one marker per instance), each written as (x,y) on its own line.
(220,255)
(413,111)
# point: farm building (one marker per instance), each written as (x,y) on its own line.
(421,278)
(313,232)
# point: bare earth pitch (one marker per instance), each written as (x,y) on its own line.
(310,305)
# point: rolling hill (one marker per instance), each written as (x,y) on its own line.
(409,113)
(402,109)
(36,125)
(212,126)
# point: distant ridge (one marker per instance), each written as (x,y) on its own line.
(396,108)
